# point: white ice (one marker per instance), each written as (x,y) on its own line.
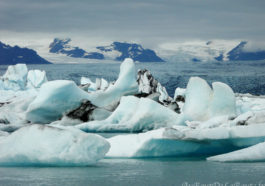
(13,110)
(134,114)
(46,145)
(125,85)
(15,78)
(253,153)
(53,100)
(198,96)
(36,78)
(185,141)
(100,84)
(179,92)
(202,102)
(18,78)
(223,100)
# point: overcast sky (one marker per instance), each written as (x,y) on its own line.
(149,22)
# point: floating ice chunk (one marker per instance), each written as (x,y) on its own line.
(134,114)
(253,153)
(248,102)
(36,78)
(128,145)
(248,118)
(211,123)
(242,119)
(223,100)
(13,105)
(46,145)
(91,86)
(100,84)
(15,77)
(163,98)
(217,133)
(147,84)
(184,141)
(198,97)
(203,103)
(259,117)
(85,80)
(103,84)
(54,99)
(125,85)
(179,92)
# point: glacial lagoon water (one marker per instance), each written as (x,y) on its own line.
(163,171)
(243,77)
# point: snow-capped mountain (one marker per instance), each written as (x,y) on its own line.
(122,50)
(241,53)
(63,46)
(116,51)
(12,55)
(207,51)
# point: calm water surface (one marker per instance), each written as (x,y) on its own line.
(163,171)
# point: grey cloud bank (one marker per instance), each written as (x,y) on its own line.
(150,22)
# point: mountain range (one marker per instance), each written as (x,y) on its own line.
(13,55)
(199,51)
(116,51)
(209,51)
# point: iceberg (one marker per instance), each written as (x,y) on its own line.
(15,77)
(134,115)
(201,120)
(182,141)
(250,154)
(223,100)
(148,85)
(54,99)
(179,92)
(198,96)
(13,108)
(248,102)
(50,146)
(202,102)
(125,85)
(100,84)
(36,78)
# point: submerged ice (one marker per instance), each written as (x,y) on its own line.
(200,120)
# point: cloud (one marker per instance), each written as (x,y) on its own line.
(146,21)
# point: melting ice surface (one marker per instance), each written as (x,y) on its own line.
(201,120)
(45,145)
